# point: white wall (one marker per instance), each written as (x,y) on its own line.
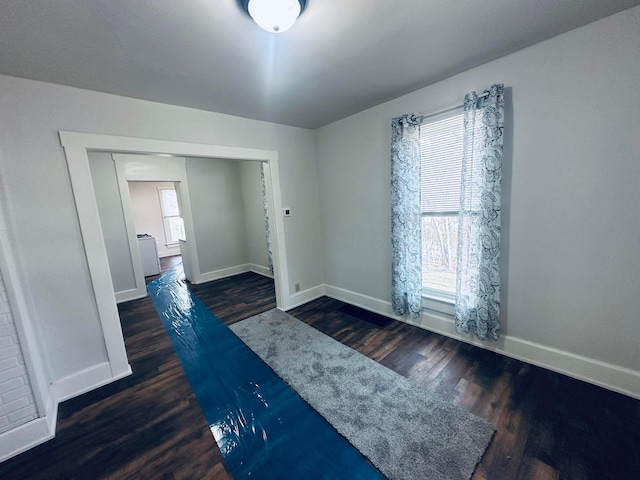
(105,185)
(147,213)
(228,234)
(40,201)
(571,196)
(17,403)
(218,213)
(571,218)
(254,215)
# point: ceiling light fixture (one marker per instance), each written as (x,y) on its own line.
(275,16)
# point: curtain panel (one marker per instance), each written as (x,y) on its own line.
(406,235)
(267,227)
(477,306)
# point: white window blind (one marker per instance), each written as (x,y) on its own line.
(441,150)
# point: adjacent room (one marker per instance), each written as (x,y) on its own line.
(355,240)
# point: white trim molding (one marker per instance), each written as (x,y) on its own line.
(76,145)
(223,273)
(607,375)
(145,168)
(84,381)
(43,428)
(96,253)
(305,296)
(27,436)
(231,271)
(38,430)
(19,300)
(131,294)
(260,270)
(171,252)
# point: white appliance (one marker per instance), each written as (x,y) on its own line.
(149,254)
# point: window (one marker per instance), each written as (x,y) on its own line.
(441,150)
(445,170)
(441,154)
(171,219)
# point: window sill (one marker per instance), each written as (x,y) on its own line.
(438,301)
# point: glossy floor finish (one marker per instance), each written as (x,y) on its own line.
(167,262)
(149,425)
(263,428)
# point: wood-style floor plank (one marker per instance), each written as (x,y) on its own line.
(149,425)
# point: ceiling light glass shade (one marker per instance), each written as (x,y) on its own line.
(275,16)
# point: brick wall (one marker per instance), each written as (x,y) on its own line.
(17,405)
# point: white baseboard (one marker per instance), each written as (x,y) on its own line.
(132,294)
(223,273)
(305,296)
(85,381)
(260,270)
(359,300)
(24,437)
(172,252)
(31,434)
(43,428)
(607,375)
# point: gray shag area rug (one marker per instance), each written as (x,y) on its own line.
(406,431)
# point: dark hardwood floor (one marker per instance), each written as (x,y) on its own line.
(167,262)
(149,425)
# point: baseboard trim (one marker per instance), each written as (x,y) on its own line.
(607,375)
(260,270)
(305,296)
(132,294)
(24,437)
(360,300)
(169,252)
(31,434)
(43,428)
(223,273)
(84,381)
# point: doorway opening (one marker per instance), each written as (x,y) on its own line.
(77,145)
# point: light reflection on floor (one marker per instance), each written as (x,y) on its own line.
(263,428)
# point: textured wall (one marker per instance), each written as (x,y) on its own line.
(17,405)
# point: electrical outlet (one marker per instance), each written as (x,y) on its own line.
(297,287)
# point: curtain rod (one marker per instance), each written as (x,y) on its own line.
(422,116)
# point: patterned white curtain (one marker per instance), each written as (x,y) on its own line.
(406,241)
(267,228)
(478,274)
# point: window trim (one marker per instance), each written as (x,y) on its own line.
(434,299)
(436,302)
(165,223)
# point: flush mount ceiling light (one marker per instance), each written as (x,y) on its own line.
(275,16)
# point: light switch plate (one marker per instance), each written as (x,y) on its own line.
(287,212)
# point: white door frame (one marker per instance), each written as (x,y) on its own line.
(145,168)
(76,145)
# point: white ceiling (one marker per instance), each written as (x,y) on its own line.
(341,57)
